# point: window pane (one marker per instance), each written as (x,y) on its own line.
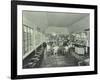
(27,39)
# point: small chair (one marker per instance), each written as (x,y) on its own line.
(34,59)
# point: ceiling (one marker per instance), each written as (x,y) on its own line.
(53,19)
(64,19)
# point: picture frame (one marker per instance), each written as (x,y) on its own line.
(16,49)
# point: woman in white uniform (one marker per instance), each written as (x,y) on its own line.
(55,48)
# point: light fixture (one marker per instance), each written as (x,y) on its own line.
(54,34)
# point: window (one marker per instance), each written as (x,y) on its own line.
(27,38)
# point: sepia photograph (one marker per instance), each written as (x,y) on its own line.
(53,39)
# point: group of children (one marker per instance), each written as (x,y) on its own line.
(55,49)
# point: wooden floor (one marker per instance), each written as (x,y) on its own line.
(58,61)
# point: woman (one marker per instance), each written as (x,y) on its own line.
(55,48)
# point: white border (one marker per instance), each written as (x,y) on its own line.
(21,71)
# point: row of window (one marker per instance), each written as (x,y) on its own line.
(32,38)
(27,38)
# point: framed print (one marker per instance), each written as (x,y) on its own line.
(53,39)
